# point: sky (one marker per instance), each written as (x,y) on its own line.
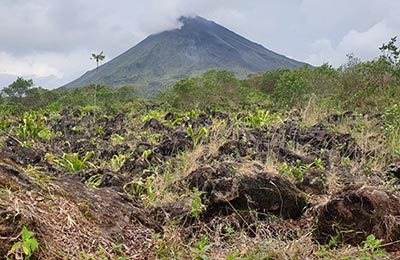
(51,42)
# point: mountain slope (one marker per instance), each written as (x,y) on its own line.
(199,45)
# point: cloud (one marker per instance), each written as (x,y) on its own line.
(47,69)
(364,45)
(27,66)
(53,39)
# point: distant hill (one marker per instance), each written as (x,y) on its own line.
(199,45)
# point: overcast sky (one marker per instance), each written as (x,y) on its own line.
(52,41)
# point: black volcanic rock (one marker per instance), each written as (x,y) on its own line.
(199,45)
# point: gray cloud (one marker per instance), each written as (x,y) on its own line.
(51,41)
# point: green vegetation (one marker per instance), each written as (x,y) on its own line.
(25,247)
(184,168)
(72,162)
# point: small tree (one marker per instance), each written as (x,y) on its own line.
(97,57)
(17,90)
(390,51)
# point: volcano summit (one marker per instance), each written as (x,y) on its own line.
(197,46)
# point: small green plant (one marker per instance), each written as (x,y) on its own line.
(192,114)
(197,204)
(146,154)
(72,162)
(294,170)
(234,256)
(318,164)
(24,248)
(117,139)
(261,118)
(118,160)
(94,181)
(156,114)
(32,124)
(199,251)
(372,249)
(197,137)
(100,130)
(118,249)
(143,190)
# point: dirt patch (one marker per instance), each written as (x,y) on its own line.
(356,213)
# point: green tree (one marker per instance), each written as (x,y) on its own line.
(293,87)
(97,57)
(17,90)
(390,51)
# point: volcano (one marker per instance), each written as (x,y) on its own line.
(199,45)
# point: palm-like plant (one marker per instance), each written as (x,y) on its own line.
(97,57)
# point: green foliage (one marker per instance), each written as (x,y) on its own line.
(292,88)
(18,89)
(261,118)
(213,88)
(25,247)
(390,51)
(372,249)
(97,57)
(142,189)
(118,160)
(72,162)
(197,205)
(117,139)
(391,127)
(94,181)
(270,78)
(199,251)
(296,171)
(197,137)
(33,126)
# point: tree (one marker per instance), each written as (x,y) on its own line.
(97,57)
(390,51)
(18,89)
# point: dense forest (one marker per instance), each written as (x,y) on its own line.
(285,164)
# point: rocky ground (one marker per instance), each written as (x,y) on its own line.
(158,184)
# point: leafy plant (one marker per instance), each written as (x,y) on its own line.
(118,160)
(24,248)
(196,137)
(197,204)
(372,249)
(261,118)
(146,154)
(318,164)
(200,250)
(72,162)
(117,139)
(294,170)
(94,181)
(143,190)
(32,124)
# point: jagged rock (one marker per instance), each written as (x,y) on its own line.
(357,213)
(314,182)
(265,193)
